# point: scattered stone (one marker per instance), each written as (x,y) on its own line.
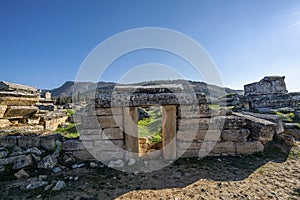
(131,161)
(68,159)
(76,178)
(93,165)
(36,184)
(59,185)
(47,162)
(22,162)
(21,174)
(56,169)
(43,177)
(77,165)
(117,163)
(48,187)
(17,151)
(34,150)
(3,152)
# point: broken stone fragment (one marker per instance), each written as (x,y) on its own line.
(22,162)
(59,185)
(21,174)
(47,162)
(36,184)
(3,152)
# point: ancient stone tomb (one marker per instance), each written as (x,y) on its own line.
(189,127)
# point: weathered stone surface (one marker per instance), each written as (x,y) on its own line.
(233,122)
(131,130)
(273,118)
(34,150)
(4,123)
(169,131)
(269,84)
(22,162)
(191,111)
(21,174)
(59,186)
(36,184)
(3,152)
(29,141)
(10,160)
(73,145)
(261,130)
(48,142)
(109,145)
(112,133)
(10,99)
(235,135)
(90,122)
(110,121)
(249,147)
(8,141)
(224,147)
(7,86)
(2,110)
(109,111)
(214,123)
(47,162)
(199,135)
(19,111)
(83,155)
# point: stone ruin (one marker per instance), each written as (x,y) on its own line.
(269,93)
(21,113)
(109,131)
(190,128)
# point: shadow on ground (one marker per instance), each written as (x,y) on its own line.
(106,183)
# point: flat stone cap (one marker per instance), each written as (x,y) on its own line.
(7,86)
(149,89)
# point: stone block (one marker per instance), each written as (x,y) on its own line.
(109,111)
(90,122)
(8,141)
(224,147)
(189,146)
(74,145)
(261,129)
(199,135)
(131,129)
(10,160)
(169,131)
(48,142)
(249,147)
(29,141)
(235,135)
(18,100)
(4,123)
(109,145)
(234,122)
(19,111)
(111,121)
(83,155)
(2,110)
(112,133)
(214,123)
(193,111)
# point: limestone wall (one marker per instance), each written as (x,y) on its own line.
(189,129)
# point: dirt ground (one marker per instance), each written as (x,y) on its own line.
(272,175)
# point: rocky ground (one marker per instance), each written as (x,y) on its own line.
(275,174)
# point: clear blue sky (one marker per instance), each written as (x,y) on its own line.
(43,43)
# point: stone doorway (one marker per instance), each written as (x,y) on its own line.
(169,116)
